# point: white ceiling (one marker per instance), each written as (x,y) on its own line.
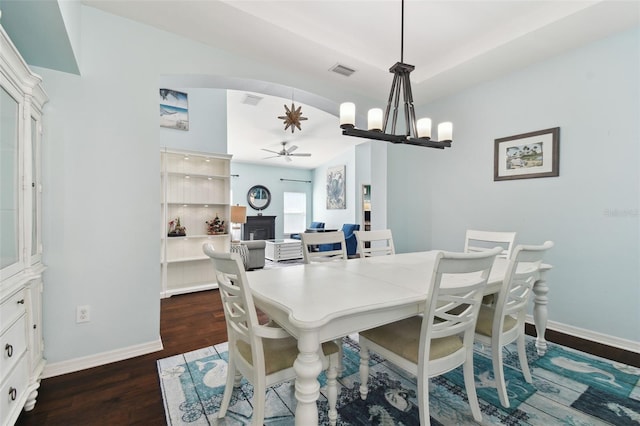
(453,44)
(250,129)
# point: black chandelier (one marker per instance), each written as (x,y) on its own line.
(418,132)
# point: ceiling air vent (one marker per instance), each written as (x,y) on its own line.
(250,99)
(342,70)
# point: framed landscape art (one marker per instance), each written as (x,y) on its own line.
(529,155)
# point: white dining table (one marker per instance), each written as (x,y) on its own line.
(320,302)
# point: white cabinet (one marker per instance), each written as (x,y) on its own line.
(195,190)
(21,268)
(277,250)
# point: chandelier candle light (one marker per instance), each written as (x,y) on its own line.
(417,132)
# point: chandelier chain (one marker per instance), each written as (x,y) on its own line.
(402,33)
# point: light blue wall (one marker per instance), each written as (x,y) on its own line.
(593,95)
(207,123)
(410,182)
(371,169)
(270,176)
(335,218)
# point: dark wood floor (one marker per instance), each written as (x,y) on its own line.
(128,392)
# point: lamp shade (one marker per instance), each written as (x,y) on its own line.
(238,214)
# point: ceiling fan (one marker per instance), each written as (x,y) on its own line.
(287,153)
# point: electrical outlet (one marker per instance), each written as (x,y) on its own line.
(83,313)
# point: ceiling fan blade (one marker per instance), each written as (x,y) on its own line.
(301,154)
(292,148)
(288,158)
(273,156)
(268,150)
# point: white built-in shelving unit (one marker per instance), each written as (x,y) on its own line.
(195,188)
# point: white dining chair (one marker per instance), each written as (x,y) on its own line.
(503,322)
(263,354)
(440,339)
(326,247)
(375,243)
(323,246)
(476,241)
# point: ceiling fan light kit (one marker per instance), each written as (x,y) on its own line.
(418,132)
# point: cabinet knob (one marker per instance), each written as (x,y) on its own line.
(13,393)
(9,349)
(21,302)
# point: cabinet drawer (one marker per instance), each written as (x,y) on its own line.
(12,392)
(11,309)
(13,343)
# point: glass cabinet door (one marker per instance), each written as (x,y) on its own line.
(36,197)
(10,260)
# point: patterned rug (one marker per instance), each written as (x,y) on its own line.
(569,388)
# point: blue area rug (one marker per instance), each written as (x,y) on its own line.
(569,388)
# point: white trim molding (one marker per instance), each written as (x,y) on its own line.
(605,339)
(77,364)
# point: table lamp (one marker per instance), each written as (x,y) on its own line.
(238,216)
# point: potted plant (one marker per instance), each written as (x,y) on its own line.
(215,226)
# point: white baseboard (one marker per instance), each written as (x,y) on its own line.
(616,342)
(191,289)
(77,364)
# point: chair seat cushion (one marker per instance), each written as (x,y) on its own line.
(403,338)
(485,321)
(279,354)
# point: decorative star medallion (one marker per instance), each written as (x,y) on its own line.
(292,117)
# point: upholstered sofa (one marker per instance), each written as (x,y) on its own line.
(349,239)
(314,225)
(255,249)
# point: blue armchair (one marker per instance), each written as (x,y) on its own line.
(349,238)
(314,225)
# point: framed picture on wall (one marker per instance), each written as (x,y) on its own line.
(529,155)
(174,109)
(336,190)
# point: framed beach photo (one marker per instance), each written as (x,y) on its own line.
(526,156)
(174,109)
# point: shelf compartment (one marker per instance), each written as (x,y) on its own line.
(194,217)
(185,277)
(191,247)
(197,164)
(196,191)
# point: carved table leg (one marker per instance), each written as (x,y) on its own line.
(540,313)
(307,367)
